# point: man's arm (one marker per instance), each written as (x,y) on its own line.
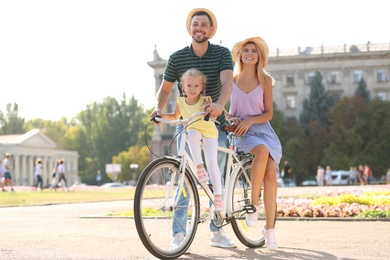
(217,108)
(162,97)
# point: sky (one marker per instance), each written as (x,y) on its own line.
(56,57)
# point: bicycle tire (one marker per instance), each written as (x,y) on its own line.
(154,209)
(241,194)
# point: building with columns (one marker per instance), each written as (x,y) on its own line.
(26,148)
(342,67)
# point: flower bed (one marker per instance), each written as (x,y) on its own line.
(362,202)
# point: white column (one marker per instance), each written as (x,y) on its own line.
(24,170)
(16,170)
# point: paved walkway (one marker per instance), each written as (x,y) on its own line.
(63,232)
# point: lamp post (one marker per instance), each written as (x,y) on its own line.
(134,167)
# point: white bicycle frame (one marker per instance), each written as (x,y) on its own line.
(232,168)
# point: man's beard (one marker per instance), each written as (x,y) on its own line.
(204,39)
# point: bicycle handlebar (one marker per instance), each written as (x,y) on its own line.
(184,121)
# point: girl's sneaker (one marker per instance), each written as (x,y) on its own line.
(202,175)
(252,218)
(218,204)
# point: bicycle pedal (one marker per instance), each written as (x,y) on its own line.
(250,209)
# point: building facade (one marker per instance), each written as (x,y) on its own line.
(26,148)
(342,68)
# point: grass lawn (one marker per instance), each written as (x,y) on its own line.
(47,197)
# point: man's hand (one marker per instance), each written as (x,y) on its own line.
(213,109)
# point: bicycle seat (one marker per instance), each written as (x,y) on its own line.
(229,128)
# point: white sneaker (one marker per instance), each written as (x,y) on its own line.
(219,239)
(269,236)
(251,219)
(176,242)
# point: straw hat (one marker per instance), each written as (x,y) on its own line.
(259,42)
(212,16)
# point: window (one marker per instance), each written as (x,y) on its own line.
(381,75)
(290,101)
(290,79)
(382,96)
(310,77)
(357,76)
(334,77)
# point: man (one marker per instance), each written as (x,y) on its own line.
(216,63)
(7,172)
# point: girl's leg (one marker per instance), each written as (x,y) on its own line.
(210,146)
(270,193)
(259,164)
(195,144)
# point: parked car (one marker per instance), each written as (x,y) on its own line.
(112,185)
(309,183)
(341,177)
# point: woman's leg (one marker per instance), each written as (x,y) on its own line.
(259,164)
(270,193)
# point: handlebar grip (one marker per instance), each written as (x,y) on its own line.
(207,117)
(154,119)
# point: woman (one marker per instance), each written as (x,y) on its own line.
(253,85)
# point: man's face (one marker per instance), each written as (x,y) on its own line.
(201,28)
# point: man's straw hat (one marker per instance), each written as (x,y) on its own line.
(259,42)
(212,16)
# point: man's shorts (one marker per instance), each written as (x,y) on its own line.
(7,175)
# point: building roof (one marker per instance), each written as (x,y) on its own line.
(33,137)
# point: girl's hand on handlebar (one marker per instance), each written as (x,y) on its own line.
(154,114)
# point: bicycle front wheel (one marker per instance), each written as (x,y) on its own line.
(163,207)
(241,195)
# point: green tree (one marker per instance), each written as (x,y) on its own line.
(362,90)
(135,154)
(345,141)
(109,128)
(11,123)
(317,106)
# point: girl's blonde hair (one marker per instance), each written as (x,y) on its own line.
(194,73)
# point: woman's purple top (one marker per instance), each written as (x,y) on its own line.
(245,105)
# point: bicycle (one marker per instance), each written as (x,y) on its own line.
(156,198)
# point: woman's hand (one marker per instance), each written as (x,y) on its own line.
(243,127)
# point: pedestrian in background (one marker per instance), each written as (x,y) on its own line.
(320,175)
(1,173)
(7,172)
(328,176)
(61,174)
(286,174)
(38,172)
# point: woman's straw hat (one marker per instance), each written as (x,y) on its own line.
(259,42)
(212,16)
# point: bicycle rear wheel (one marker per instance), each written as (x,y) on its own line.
(155,209)
(241,195)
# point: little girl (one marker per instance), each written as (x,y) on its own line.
(193,86)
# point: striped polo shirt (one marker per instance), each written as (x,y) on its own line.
(216,60)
